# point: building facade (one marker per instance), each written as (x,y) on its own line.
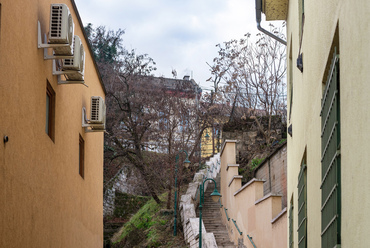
(51,169)
(328,115)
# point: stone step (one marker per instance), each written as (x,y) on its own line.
(212,220)
(211,217)
(216,230)
(226,244)
(214,227)
(221,235)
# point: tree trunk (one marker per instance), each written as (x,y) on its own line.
(197,141)
(169,196)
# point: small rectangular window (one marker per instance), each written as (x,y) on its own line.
(50,111)
(81,157)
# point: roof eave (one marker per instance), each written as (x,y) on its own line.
(88,45)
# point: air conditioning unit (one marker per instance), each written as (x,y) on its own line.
(61,29)
(73,69)
(97,116)
(78,61)
(97,113)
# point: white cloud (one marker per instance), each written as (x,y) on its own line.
(177,34)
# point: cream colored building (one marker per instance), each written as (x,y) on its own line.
(328,110)
(51,169)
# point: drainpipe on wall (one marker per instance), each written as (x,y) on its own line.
(258,19)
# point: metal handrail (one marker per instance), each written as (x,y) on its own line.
(227,217)
(219,201)
(250,239)
(196,194)
(237,227)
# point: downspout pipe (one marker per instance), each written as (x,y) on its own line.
(258,19)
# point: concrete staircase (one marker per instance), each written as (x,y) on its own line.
(211,217)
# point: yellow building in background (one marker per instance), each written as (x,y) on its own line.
(328,119)
(51,168)
(211,141)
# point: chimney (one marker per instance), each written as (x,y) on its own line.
(186,77)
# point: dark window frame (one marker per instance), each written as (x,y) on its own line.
(50,111)
(81,157)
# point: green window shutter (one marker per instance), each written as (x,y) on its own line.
(302,207)
(330,159)
(291,221)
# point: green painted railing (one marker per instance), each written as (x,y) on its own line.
(227,217)
(250,239)
(237,227)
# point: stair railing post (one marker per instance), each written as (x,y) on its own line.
(200,214)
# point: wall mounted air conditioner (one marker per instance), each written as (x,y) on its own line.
(78,61)
(97,110)
(74,67)
(97,115)
(68,64)
(61,29)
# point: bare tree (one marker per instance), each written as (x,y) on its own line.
(253,73)
(148,121)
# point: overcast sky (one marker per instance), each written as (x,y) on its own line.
(177,34)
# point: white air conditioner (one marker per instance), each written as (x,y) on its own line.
(97,114)
(78,61)
(73,69)
(61,29)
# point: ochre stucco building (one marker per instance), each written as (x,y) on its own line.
(51,169)
(328,112)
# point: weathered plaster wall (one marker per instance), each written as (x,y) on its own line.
(44,201)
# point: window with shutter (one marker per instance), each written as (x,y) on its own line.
(330,158)
(302,206)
